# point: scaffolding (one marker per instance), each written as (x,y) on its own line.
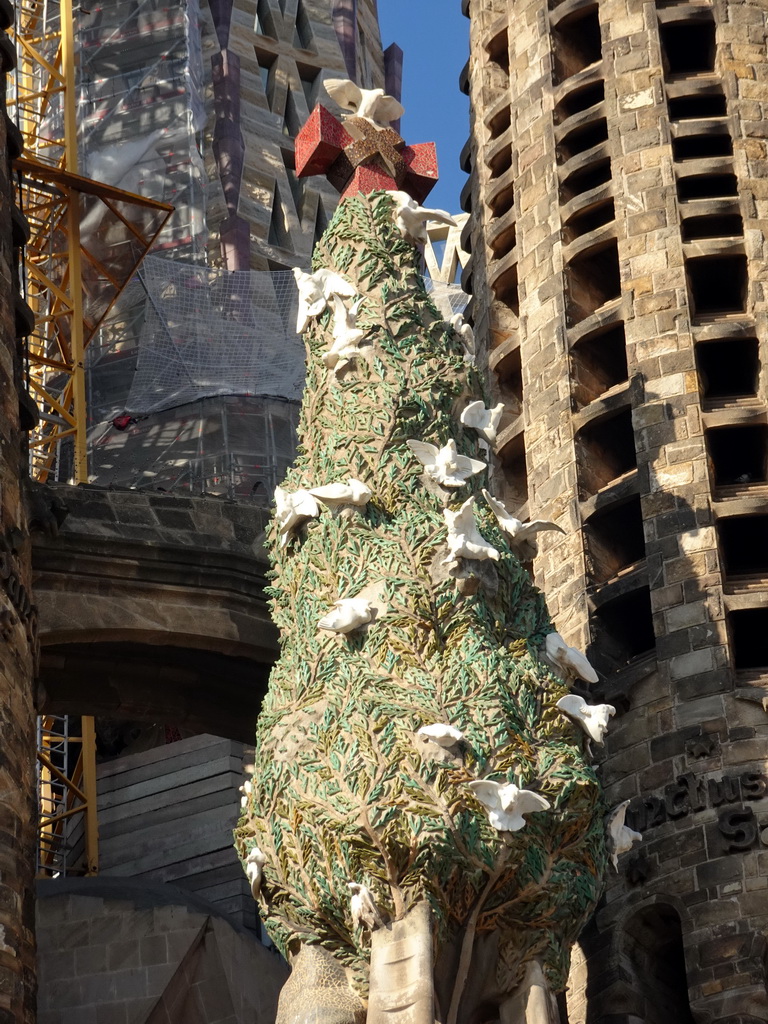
(71,283)
(66,790)
(72,274)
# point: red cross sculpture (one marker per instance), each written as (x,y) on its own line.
(356,156)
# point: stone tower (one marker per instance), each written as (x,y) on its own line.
(618,165)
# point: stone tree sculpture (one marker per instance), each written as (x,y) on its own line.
(424,831)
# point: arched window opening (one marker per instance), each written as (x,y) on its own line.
(655,951)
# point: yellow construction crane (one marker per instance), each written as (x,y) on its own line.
(71,281)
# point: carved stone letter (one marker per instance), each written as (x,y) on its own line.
(753,785)
(676,802)
(739,828)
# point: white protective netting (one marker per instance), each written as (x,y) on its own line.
(212,332)
(209,333)
(229,447)
(213,381)
(141,108)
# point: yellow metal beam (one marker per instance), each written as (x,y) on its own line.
(68,67)
(67,791)
(51,198)
(77,342)
(89,786)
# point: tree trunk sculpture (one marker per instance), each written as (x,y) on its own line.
(398,885)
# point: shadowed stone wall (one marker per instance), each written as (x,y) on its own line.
(152,607)
(18,628)
(147,955)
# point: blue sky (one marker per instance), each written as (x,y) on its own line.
(434,38)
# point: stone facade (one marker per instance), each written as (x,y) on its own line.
(267,63)
(147,955)
(618,162)
(145,599)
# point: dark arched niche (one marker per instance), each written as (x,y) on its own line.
(195,690)
(655,956)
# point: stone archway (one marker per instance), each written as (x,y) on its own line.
(653,945)
(151,606)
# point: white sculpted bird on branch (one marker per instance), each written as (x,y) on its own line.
(484,421)
(621,837)
(464,538)
(362,908)
(567,661)
(444,465)
(336,495)
(506,803)
(254,869)
(346,334)
(592,718)
(346,615)
(411,219)
(316,291)
(292,509)
(467,335)
(523,535)
(372,104)
(445,736)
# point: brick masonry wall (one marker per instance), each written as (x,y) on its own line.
(115,952)
(18,637)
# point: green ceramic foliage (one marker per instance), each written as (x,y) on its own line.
(341,790)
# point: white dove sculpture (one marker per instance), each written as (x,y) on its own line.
(315,291)
(445,736)
(353,492)
(291,510)
(444,465)
(521,534)
(346,334)
(464,538)
(467,335)
(347,614)
(362,907)
(254,870)
(484,421)
(622,837)
(506,803)
(372,104)
(411,219)
(245,789)
(593,718)
(567,661)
